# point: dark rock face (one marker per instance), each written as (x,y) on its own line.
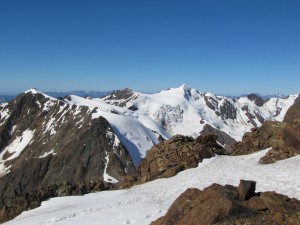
(69,152)
(282,137)
(33,198)
(256,99)
(219,204)
(226,110)
(224,139)
(120,97)
(168,158)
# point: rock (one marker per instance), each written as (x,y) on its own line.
(219,204)
(121,98)
(224,139)
(169,157)
(293,113)
(246,189)
(256,99)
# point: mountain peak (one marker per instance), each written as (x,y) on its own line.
(32,90)
(184,87)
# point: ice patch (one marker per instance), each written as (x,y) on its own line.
(106,177)
(19,144)
(111,136)
(47,153)
(50,126)
(4,114)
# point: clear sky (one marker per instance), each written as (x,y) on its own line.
(220,46)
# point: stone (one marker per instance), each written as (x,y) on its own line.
(246,189)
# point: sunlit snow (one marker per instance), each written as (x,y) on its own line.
(145,203)
(18,145)
(47,153)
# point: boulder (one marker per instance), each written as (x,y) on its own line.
(246,189)
(219,204)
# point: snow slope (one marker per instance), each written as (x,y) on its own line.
(145,203)
(137,132)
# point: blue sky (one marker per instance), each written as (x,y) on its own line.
(224,47)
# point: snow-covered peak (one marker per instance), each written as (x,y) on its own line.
(184,110)
(184,87)
(35,91)
(181,90)
(32,90)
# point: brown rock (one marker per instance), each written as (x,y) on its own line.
(221,205)
(169,157)
(246,189)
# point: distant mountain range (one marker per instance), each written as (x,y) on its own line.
(92,94)
(5,98)
(55,94)
(99,94)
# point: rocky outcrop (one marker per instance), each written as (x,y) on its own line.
(258,100)
(282,137)
(179,153)
(59,146)
(121,98)
(227,204)
(222,107)
(224,139)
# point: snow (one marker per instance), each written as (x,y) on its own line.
(111,135)
(15,148)
(4,114)
(145,203)
(47,153)
(18,145)
(3,169)
(50,126)
(177,111)
(106,177)
(13,129)
(181,110)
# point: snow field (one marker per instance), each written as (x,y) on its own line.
(145,203)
